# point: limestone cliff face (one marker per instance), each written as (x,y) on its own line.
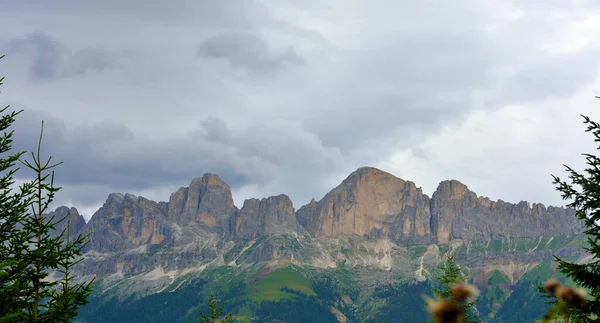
(193,214)
(200,224)
(458,213)
(370,202)
(126,221)
(71,217)
(373,203)
(206,201)
(267,216)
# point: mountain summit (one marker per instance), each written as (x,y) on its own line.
(370,202)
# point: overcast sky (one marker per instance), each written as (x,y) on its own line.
(291,96)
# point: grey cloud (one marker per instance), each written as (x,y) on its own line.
(374,78)
(110,156)
(53,60)
(242,14)
(418,82)
(248,51)
(550,75)
(420,153)
(215,130)
(374,120)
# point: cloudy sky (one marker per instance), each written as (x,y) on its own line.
(291,96)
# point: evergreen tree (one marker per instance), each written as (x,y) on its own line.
(584,194)
(29,253)
(216,312)
(451,274)
(13,208)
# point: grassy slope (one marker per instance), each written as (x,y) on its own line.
(269,286)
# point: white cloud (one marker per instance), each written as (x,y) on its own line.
(509,153)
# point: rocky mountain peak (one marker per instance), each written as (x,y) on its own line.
(369,202)
(366,175)
(208,201)
(77,220)
(73,211)
(458,213)
(211,179)
(115,198)
(126,221)
(267,216)
(452,190)
(71,216)
(281,200)
(130,197)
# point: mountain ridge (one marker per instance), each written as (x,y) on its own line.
(363,168)
(371,205)
(380,227)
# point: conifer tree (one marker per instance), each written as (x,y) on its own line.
(451,274)
(13,208)
(29,252)
(216,313)
(584,193)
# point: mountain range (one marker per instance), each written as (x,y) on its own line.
(374,240)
